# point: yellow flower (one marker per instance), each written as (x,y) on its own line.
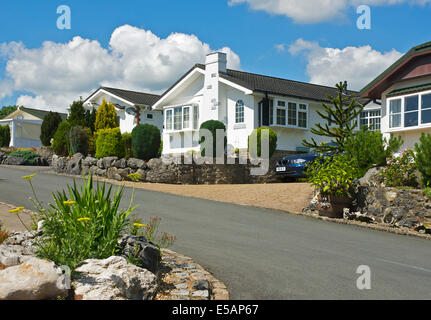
(16,210)
(69,202)
(84,219)
(29,177)
(140,225)
(135,176)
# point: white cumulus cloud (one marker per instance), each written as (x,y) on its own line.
(357,65)
(313,11)
(57,73)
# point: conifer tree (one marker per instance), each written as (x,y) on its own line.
(77,113)
(342,115)
(423,158)
(106,117)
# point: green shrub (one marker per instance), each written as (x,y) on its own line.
(77,114)
(161,148)
(60,143)
(4,136)
(28,156)
(427,192)
(109,143)
(127,143)
(369,149)
(146,141)
(106,117)
(399,171)
(423,158)
(82,223)
(212,126)
(256,150)
(333,175)
(49,126)
(78,140)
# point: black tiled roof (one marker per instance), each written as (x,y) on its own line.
(138,98)
(282,87)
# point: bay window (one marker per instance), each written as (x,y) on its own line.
(182,118)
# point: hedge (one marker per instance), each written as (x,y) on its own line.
(109,143)
(127,143)
(146,141)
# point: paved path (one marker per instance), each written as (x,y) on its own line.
(264,254)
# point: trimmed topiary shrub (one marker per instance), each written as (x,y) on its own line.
(127,142)
(106,117)
(423,158)
(49,126)
(78,140)
(146,141)
(212,126)
(60,143)
(109,143)
(272,141)
(4,136)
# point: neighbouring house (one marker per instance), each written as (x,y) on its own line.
(132,107)
(25,126)
(243,102)
(405,93)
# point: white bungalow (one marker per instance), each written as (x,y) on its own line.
(132,107)
(25,126)
(243,102)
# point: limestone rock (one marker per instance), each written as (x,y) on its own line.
(120,163)
(14,161)
(136,163)
(113,279)
(89,162)
(74,165)
(145,253)
(34,279)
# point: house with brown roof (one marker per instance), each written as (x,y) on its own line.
(132,107)
(405,93)
(243,102)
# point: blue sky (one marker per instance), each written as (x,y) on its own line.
(251,29)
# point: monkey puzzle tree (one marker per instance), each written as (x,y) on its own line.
(342,116)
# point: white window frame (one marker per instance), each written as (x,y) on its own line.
(239,111)
(191,122)
(286,108)
(420,109)
(369,119)
(184,118)
(401,113)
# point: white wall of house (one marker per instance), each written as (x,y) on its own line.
(410,134)
(24,133)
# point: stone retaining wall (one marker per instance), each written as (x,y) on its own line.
(156,171)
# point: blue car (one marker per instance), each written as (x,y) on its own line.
(294,167)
